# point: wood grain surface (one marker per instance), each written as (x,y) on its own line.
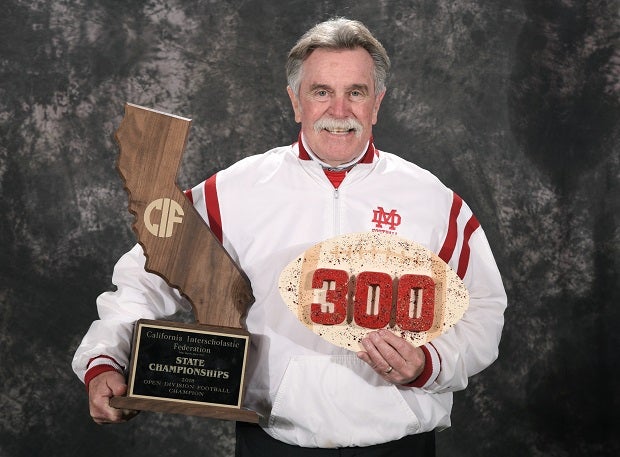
(182,249)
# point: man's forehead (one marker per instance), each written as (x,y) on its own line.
(350,67)
(320,54)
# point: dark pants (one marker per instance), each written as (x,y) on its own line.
(252,441)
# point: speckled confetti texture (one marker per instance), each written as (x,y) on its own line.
(514,104)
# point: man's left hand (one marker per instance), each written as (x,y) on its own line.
(395,359)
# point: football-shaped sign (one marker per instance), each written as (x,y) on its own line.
(347,286)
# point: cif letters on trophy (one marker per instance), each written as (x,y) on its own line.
(187,368)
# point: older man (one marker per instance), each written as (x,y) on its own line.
(316,398)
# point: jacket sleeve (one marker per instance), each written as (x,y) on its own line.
(472,344)
(139,295)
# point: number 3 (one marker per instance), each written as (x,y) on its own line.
(373,299)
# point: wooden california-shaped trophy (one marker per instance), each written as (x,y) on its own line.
(193,369)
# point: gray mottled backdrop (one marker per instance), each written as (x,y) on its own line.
(514,104)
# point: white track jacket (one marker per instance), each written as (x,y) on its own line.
(268,209)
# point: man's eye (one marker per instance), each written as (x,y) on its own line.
(321,93)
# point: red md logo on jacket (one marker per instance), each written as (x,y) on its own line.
(381,218)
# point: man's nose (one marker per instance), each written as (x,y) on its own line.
(340,106)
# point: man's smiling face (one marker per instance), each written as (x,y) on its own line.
(337,105)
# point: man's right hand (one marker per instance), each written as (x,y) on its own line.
(100,390)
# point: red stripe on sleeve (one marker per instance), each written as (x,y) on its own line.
(96,371)
(470,228)
(213,208)
(450,242)
(426,373)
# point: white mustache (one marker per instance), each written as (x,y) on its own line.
(327,123)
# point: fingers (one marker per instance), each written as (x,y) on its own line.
(379,354)
(100,390)
(393,358)
(123,415)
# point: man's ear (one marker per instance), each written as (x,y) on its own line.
(295,103)
(375,109)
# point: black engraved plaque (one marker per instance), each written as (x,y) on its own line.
(196,365)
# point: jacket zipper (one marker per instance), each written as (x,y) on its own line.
(336,213)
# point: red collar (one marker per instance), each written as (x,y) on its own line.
(335,177)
